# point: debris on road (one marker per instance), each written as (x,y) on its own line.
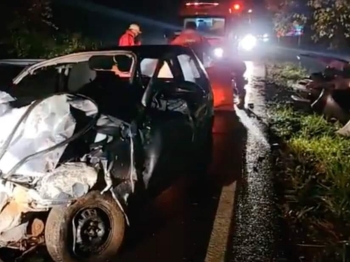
(326,93)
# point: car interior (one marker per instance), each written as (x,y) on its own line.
(119,98)
(99,79)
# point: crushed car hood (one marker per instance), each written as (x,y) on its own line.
(34,128)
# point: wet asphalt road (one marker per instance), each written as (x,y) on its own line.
(256,236)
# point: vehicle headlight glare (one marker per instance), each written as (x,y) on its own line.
(248,42)
(218,52)
(265,37)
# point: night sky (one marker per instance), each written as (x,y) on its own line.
(106,20)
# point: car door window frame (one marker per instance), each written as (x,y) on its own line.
(202,80)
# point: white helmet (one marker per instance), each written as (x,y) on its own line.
(135,28)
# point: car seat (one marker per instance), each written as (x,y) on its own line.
(80,75)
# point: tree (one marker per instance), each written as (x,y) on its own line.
(30,32)
(331,21)
(286,14)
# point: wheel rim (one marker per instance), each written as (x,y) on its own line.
(92,230)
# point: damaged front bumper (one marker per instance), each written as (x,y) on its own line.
(31,185)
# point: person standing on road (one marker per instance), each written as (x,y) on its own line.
(192,38)
(129,38)
(189,36)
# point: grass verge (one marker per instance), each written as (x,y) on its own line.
(312,173)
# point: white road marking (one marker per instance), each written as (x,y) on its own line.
(220,234)
(221,228)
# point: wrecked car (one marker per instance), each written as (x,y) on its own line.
(327,92)
(111,126)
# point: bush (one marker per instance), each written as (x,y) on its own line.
(35,45)
(317,175)
(284,74)
(313,171)
(67,44)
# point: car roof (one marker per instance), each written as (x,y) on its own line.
(20,62)
(150,51)
(66,59)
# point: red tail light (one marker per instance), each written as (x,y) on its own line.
(236,7)
(201,3)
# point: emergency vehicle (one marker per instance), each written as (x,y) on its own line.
(227,25)
(215,21)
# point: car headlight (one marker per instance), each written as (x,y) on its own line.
(265,37)
(218,52)
(248,42)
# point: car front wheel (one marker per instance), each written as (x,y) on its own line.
(92,229)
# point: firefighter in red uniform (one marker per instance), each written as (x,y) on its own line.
(191,38)
(129,38)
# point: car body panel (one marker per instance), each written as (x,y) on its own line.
(66,59)
(140,152)
(165,141)
(20,62)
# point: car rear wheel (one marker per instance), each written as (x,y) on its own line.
(92,229)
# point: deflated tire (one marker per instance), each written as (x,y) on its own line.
(91,229)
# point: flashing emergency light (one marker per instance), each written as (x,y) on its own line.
(236,7)
(200,3)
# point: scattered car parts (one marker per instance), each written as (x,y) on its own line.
(327,92)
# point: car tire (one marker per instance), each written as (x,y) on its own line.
(60,221)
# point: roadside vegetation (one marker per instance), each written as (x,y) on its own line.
(312,172)
(324,22)
(29,31)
